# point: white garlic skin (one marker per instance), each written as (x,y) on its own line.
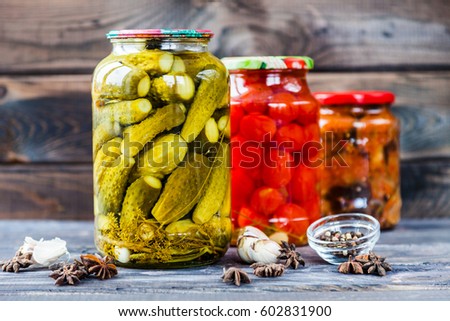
(254,246)
(265,251)
(46,252)
(243,246)
(255,232)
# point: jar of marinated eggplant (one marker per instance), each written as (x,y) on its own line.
(275,146)
(361,169)
(160,148)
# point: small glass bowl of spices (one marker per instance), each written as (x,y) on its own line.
(335,237)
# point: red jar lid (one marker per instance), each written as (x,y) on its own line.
(355,98)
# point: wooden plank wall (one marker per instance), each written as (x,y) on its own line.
(48,50)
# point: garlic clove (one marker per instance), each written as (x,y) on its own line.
(279,237)
(244,243)
(264,251)
(29,244)
(122,254)
(253,245)
(48,252)
(254,232)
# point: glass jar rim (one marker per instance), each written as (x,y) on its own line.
(160,33)
(355,98)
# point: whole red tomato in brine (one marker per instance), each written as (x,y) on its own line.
(282,108)
(266,200)
(292,219)
(291,137)
(277,168)
(256,97)
(258,128)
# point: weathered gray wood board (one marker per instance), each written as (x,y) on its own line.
(418,250)
(60,191)
(340,35)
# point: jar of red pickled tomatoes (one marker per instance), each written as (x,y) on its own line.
(275,139)
(361,155)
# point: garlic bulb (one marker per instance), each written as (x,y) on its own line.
(45,252)
(253,246)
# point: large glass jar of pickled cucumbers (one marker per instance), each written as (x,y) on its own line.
(275,146)
(361,168)
(160,148)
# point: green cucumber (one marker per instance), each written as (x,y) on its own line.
(181,227)
(113,80)
(125,112)
(112,185)
(213,85)
(182,190)
(103,133)
(163,157)
(215,189)
(154,62)
(136,136)
(139,199)
(106,157)
(173,87)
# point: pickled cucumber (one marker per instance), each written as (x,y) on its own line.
(163,157)
(125,112)
(225,208)
(223,124)
(195,62)
(115,81)
(104,132)
(218,231)
(181,226)
(139,199)
(154,62)
(211,130)
(173,87)
(215,189)
(165,118)
(112,184)
(178,65)
(213,85)
(182,190)
(107,156)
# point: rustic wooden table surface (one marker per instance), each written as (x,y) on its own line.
(419,251)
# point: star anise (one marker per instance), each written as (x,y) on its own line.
(268,270)
(288,253)
(235,276)
(70,274)
(373,264)
(19,261)
(350,266)
(102,268)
